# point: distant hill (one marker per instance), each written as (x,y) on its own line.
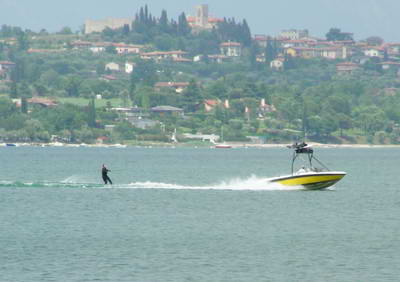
(362,17)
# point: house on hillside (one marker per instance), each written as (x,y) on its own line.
(129,66)
(100,25)
(112,67)
(231,49)
(160,56)
(294,34)
(123,48)
(167,110)
(5,69)
(178,87)
(278,64)
(374,52)
(265,108)
(261,40)
(6,65)
(202,20)
(346,68)
(390,65)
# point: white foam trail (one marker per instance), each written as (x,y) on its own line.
(251,184)
(71,179)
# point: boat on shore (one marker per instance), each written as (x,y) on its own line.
(11,145)
(309,176)
(222,146)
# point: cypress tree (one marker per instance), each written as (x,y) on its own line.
(246,39)
(164,22)
(91,113)
(183,26)
(24,105)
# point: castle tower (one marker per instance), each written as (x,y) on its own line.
(202,15)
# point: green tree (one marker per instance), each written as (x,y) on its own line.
(145,72)
(335,34)
(24,105)
(91,120)
(183,26)
(23,41)
(191,96)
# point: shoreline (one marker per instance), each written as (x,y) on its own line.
(183,145)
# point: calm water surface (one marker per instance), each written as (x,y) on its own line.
(195,215)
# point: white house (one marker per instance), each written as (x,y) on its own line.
(97,49)
(231,49)
(277,64)
(122,48)
(112,66)
(373,52)
(294,34)
(129,66)
(159,56)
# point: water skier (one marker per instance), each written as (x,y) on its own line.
(104,175)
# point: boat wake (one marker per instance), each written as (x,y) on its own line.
(252,183)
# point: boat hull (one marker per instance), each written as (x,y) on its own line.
(311,181)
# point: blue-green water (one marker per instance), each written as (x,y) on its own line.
(195,215)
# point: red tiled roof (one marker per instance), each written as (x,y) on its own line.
(230,44)
(182,60)
(157,53)
(171,84)
(390,63)
(212,102)
(42,101)
(109,77)
(350,64)
(7,63)
(260,37)
(123,45)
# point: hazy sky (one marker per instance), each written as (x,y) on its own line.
(362,17)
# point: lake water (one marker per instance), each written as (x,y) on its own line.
(195,215)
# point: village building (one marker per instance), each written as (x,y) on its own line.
(160,56)
(390,65)
(78,44)
(334,52)
(210,104)
(108,77)
(374,52)
(178,87)
(265,108)
(277,64)
(122,48)
(297,43)
(100,25)
(167,110)
(393,48)
(6,65)
(112,67)
(231,49)
(44,51)
(43,102)
(129,67)
(202,20)
(5,70)
(97,48)
(346,68)
(261,40)
(294,34)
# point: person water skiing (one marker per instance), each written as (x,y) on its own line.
(104,175)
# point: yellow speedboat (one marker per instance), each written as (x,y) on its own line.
(309,176)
